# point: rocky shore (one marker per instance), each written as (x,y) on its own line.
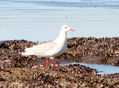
(94,50)
(18,71)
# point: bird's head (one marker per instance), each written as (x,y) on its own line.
(66,28)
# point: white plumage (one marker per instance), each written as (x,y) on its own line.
(52,48)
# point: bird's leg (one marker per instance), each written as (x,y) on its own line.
(53,62)
(47,61)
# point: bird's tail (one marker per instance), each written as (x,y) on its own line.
(26,53)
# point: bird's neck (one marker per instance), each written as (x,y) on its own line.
(62,36)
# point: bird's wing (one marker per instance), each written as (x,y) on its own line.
(41,48)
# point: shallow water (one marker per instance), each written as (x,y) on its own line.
(40,20)
(101,69)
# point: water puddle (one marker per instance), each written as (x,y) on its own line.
(101,69)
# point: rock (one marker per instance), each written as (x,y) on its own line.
(63,76)
(17,71)
(104,48)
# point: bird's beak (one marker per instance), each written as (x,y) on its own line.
(71,29)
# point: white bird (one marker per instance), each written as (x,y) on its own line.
(52,48)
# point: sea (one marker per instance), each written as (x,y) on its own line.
(41,20)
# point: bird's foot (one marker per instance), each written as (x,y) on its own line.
(47,61)
(53,62)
